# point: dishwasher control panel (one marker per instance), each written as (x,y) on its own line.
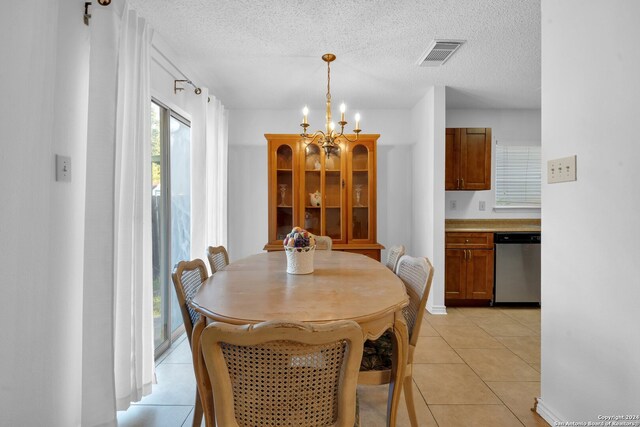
(526,237)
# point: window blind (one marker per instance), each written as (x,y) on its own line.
(518,175)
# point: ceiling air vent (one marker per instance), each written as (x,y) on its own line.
(438,52)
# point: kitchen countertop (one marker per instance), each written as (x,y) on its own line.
(492,225)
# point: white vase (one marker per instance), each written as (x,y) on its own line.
(300,260)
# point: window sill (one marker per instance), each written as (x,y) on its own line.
(517,208)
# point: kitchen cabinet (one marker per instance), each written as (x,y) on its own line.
(332,196)
(468,159)
(469,267)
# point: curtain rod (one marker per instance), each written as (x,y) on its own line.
(186,79)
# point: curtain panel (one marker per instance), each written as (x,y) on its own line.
(118,350)
(216,171)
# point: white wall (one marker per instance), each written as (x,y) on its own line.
(248,204)
(508,127)
(44,46)
(428,130)
(590,268)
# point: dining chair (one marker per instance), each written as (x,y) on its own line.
(283,373)
(218,258)
(417,274)
(324,243)
(187,277)
(394,254)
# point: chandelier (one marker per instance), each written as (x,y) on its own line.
(328,139)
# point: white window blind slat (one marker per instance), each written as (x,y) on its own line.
(518,175)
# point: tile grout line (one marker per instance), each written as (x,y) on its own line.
(424,399)
(477,374)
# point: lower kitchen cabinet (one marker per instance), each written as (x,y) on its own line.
(468,267)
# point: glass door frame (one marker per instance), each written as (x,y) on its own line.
(166,283)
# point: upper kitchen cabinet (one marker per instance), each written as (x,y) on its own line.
(332,196)
(468,159)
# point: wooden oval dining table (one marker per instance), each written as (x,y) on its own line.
(343,286)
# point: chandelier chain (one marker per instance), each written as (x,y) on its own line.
(328,81)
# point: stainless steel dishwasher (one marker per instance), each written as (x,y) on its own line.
(517,272)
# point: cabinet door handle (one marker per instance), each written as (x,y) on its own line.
(458,183)
(465,254)
(343,183)
(462,180)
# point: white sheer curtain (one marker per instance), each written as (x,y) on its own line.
(133,335)
(216,155)
(118,350)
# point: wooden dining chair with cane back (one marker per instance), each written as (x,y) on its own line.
(283,373)
(417,274)
(187,277)
(323,243)
(393,256)
(218,258)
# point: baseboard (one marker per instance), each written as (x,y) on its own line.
(547,414)
(437,309)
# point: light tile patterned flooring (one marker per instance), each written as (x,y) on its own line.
(472,367)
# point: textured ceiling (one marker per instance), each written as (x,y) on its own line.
(267,54)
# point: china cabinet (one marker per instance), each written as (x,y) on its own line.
(331,195)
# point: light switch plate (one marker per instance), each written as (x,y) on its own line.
(481,205)
(561,170)
(63,168)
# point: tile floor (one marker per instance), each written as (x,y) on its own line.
(472,367)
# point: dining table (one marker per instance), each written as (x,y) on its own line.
(342,286)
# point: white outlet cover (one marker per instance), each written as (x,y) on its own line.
(561,170)
(453,204)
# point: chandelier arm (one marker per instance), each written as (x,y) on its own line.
(342,135)
(311,139)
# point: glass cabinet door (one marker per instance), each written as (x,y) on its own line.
(360,193)
(333,187)
(313,190)
(323,192)
(284,191)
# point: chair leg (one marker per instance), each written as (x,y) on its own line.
(197,411)
(408,397)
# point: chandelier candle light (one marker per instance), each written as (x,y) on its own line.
(329,139)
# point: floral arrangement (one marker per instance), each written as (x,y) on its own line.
(299,238)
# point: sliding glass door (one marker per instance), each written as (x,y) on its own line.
(171,216)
